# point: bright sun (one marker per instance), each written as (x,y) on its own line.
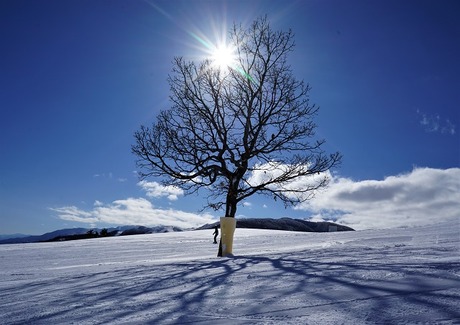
(223,57)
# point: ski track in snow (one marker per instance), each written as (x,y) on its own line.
(396,276)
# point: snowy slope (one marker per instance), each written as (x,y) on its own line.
(402,276)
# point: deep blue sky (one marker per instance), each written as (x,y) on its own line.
(78,78)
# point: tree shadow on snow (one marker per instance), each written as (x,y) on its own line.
(245,289)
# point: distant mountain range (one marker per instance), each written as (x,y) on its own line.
(12,236)
(288,224)
(85,233)
(285,224)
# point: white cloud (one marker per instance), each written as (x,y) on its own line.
(431,123)
(72,213)
(269,171)
(109,176)
(133,211)
(157,190)
(423,196)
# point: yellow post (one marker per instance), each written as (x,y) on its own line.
(227,229)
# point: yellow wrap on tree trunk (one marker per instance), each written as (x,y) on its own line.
(227,228)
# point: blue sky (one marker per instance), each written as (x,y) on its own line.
(78,78)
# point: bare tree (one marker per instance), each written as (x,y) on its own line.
(226,125)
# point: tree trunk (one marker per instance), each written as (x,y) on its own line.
(231,201)
(230,207)
(228,223)
(227,227)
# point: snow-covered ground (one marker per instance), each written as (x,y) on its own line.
(397,276)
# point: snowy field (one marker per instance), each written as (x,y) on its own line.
(398,276)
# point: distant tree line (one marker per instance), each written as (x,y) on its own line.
(135,230)
(92,233)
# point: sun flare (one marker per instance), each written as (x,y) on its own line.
(223,57)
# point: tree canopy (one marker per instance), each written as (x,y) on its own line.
(238,130)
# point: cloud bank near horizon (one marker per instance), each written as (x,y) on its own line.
(133,211)
(420,197)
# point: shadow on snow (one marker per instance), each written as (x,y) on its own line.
(292,286)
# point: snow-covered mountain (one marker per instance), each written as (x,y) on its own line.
(80,233)
(285,224)
(45,237)
(393,276)
(255,223)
